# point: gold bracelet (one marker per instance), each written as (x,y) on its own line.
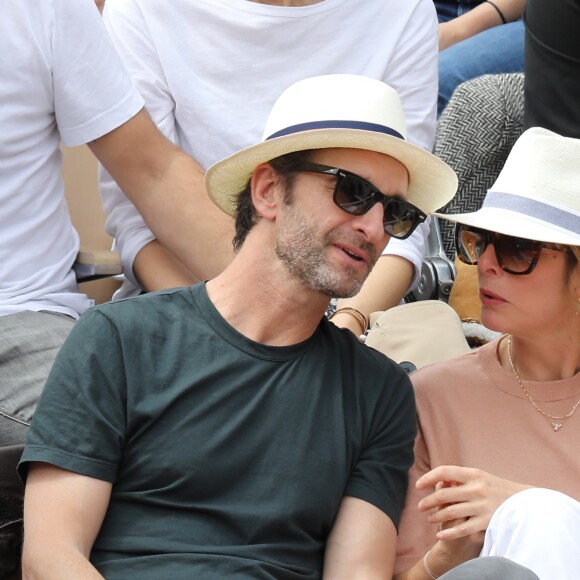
(356,314)
(427,569)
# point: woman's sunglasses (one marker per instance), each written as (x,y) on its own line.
(514,255)
(357,196)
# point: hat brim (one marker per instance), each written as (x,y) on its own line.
(432,183)
(512,223)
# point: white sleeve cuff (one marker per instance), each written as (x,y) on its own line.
(413,249)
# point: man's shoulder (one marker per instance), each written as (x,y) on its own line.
(142,308)
(368,366)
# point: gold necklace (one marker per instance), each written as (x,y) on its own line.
(551,418)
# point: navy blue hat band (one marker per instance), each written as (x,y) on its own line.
(337,124)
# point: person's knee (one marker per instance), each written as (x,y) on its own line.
(538,528)
(544,506)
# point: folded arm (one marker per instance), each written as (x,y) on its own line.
(167,187)
(63,512)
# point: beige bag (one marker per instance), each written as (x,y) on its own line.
(419,333)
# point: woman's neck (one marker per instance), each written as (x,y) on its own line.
(541,361)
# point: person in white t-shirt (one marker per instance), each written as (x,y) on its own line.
(63,81)
(210,70)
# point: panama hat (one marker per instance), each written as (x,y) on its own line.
(337,110)
(537,193)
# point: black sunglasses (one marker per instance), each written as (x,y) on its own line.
(514,255)
(357,196)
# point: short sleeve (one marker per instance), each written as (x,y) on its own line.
(380,473)
(80,421)
(93,93)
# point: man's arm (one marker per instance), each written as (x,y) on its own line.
(63,512)
(167,187)
(396,272)
(385,286)
(157,268)
(413,73)
(361,543)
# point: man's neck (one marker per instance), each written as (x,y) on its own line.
(262,301)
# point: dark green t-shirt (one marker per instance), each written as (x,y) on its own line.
(228,458)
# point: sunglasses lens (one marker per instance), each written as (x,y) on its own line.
(357,196)
(470,244)
(516,255)
(354,196)
(399,218)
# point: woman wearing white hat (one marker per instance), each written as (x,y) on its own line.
(499,427)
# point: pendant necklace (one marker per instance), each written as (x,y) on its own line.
(557,421)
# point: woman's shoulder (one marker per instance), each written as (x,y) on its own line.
(456,372)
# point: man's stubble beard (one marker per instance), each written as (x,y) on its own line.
(302,252)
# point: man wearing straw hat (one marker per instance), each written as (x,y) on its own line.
(212,98)
(203,437)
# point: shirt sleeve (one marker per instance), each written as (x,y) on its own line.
(80,421)
(130,35)
(414,73)
(93,93)
(380,474)
(413,249)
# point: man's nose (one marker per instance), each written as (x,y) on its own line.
(371,224)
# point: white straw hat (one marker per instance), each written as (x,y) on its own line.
(340,110)
(537,194)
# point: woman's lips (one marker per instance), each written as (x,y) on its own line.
(489,298)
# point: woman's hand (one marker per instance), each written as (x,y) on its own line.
(464,499)
(455,552)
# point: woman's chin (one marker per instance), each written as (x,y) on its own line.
(492,321)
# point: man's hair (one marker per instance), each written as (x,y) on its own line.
(246,215)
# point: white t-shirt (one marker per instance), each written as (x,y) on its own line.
(210,71)
(60,79)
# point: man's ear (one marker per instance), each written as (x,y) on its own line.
(266,189)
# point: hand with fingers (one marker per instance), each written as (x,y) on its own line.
(462,504)
(464,499)
(446,554)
